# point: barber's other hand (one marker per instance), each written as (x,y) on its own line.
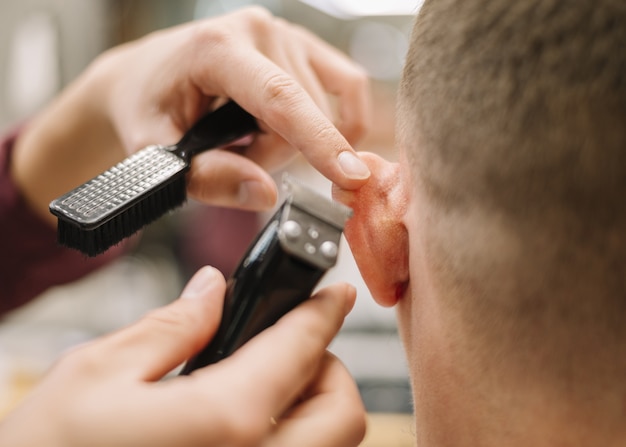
(152,90)
(279,72)
(108,393)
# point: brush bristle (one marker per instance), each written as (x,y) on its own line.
(97,240)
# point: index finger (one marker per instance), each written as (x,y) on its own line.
(277,99)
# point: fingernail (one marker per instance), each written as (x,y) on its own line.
(254,194)
(350,303)
(199,283)
(352,166)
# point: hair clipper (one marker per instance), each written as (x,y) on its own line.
(280,269)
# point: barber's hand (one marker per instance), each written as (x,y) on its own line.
(279,72)
(150,91)
(280,389)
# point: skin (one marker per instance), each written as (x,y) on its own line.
(508,117)
(107,392)
(151,90)
(461,396)
(389,246)
(391,255)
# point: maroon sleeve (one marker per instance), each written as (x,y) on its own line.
(31,261)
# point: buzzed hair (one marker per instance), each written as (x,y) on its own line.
(516,110)
(535,89)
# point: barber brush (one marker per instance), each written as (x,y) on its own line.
(119,202)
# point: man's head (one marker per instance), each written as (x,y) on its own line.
(506,215)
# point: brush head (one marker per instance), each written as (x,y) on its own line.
(120,201)
(140,189)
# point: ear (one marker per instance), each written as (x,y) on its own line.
(376,232)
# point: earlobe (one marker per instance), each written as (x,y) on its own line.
(376,233)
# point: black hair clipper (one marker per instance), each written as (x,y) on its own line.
(280,270)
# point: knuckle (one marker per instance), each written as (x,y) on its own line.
(135,140)
(279,90)
(325,132)
(205,34)
(257,13)
(279,86)
(217,37)
(259,18)
(80,361)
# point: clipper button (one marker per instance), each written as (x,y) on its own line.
(292,229)
(313,233)
(329,250)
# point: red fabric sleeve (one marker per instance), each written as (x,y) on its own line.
(31,261)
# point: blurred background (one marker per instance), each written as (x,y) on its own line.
(44,44)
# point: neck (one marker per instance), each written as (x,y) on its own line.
(463,399)
(460,414)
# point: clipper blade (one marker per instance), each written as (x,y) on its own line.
(313,202)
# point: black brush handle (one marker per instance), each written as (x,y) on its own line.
(217,128)
(268,283)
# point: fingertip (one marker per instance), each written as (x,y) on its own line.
(339,292)
(223,178)
(203,281)
(257,195)
(350,298)
(353,167)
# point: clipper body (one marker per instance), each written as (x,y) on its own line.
(279,271)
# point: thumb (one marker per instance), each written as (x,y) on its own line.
(168,336)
